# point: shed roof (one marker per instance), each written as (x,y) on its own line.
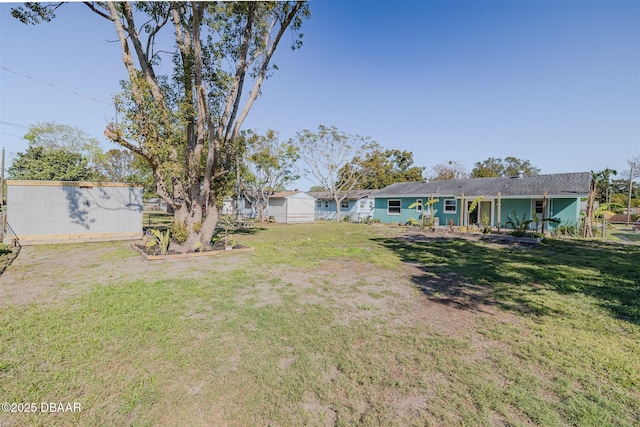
(288,194)
(555,185)
(351,195)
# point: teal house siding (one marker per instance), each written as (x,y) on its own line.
(567,211)
(445,215)
(381,210)
(436,209)
(520,207)
(549,196)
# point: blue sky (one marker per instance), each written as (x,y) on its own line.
(553,82)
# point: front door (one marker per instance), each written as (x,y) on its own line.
(482,215)
(473,216)
(486,219)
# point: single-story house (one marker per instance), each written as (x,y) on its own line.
(64,211)
(156,204)
(357,205)
(291,207)
(555,196)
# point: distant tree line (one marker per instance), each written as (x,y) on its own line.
(334,161)
(60,152)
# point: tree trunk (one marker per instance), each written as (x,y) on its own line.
(209,225)
(199,228)
(588,232)
(338,209)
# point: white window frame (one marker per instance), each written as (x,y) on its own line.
(419,206)
(455,206)
(344,204)
(399,207)
(535,207)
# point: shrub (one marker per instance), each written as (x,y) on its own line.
(519,226)
(4,249)
(412,222)
(565,230)
(179,232)
(160,239)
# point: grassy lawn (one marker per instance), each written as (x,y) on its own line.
(331,324)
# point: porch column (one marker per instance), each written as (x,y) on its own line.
(544,208)
(499,209)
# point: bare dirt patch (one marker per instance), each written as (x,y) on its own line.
(48,273)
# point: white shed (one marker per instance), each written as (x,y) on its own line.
(292,207)
(61,212)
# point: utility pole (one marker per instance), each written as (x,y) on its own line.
(2,180)
(632,166)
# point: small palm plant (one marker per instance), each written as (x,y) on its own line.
(423,216)
(520,226)
(160,239)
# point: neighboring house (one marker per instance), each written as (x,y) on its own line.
(157,204)
(246,208)
(357,206)
(291,207)
(227,206)
(555,196)
(63,212)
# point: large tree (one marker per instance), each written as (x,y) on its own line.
(51,164)
(450,170)
(634,172)
(326,153)
(125,166)
(598,188)
(380,168)
(270,166)
(51,136)
(186,125)
(510,166)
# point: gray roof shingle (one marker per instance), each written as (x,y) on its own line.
(351,195)
(556,185)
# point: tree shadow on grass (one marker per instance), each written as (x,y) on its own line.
(248,231)
(469,274)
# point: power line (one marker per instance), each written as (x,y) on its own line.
(58,87)
(13,124)
(9,134)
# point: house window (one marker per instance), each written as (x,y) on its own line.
(319,204)
(361,205)
(450,206)
(419,205)
(538,207)
(344,204)
(326,204)
(393,207)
